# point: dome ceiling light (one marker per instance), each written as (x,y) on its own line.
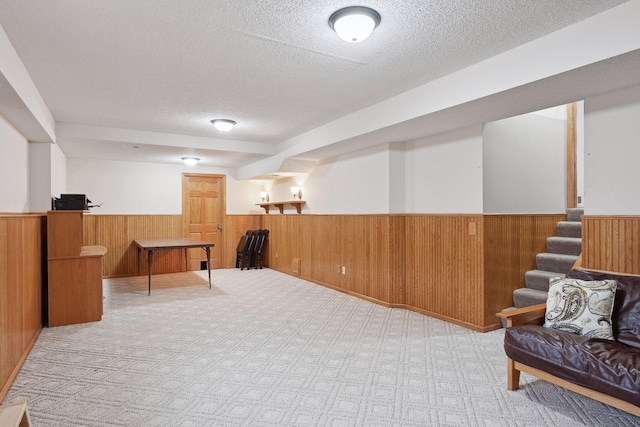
(355,23)
(190,161)
(223,125)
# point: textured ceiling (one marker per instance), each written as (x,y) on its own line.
(275,67)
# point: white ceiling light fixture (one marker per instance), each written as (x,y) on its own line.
(355,23)
(223,125)
(190,161)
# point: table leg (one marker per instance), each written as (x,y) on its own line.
(186,262)
(139,250)
(208,250)
(150,267)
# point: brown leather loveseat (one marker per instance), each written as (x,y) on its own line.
(607,371)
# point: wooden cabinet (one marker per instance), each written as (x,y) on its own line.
(75,271)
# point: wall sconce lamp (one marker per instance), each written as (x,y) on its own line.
(265,196)
(190,161)
(297,193)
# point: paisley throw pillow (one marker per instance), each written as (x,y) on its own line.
(581,307)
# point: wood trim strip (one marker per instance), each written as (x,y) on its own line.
(572,137)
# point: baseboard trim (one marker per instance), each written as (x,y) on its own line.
(474,327)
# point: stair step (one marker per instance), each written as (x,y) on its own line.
(569,229)
(539,280)
(575,214)
(557,263)
(564,245)
(524,297)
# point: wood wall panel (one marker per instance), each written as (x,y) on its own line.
(397,260)
(611,243)
(286,242)
(377,261)
(461,268)
(325,241)
(234,228)
(511,243)
(117,233)
(354,250)
(307,258)
(22,243)
(445,266)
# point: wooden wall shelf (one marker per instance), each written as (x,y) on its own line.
(280,205)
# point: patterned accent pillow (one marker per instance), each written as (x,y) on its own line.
(581,307)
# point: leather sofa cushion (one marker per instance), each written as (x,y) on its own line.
(626,309)
(606,366)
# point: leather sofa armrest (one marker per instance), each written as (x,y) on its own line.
(532,315)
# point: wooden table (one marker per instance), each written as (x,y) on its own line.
(152,245)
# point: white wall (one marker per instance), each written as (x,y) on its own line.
(612,153)
(47,174)
(397,178)
(443,173)
(525,165)
(355,183)
(58,171)
(14,169)
(40,176)
(147,188)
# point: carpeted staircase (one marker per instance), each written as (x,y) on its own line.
(563,251)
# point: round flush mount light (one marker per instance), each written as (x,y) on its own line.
(223,125)
(190,161)
(355,23)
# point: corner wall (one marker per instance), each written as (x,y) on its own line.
(611,225)
(525,167)
(14,169)
(612,148)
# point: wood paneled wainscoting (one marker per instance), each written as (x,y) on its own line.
(611,243)
(236,226)
(459,268)
(511,243)
(117,233)
(445,267)
(22,260)
(369,248)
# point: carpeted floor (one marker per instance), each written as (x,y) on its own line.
(266,349)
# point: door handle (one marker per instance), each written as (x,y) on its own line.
(219,226)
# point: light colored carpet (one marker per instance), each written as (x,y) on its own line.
(266,349)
